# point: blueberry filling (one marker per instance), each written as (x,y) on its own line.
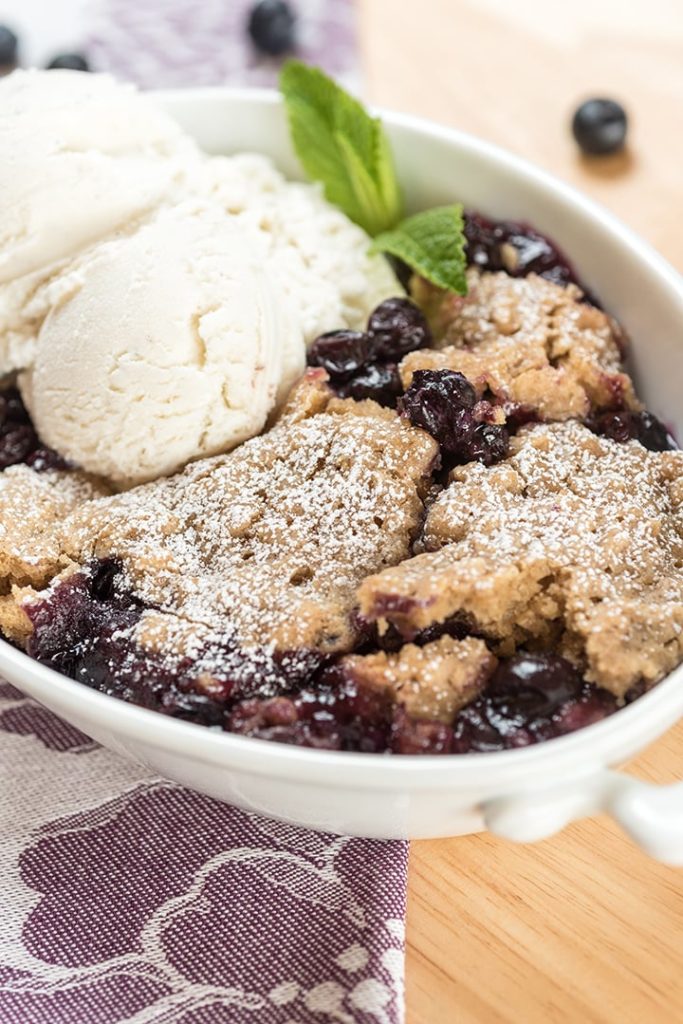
(84,630)
(335,715)
(515,248)
(444,403)
(379,381)
(625,425)
(364,365)
(18,439)
(341,353)
(397,327)
(530,698)
(391,639)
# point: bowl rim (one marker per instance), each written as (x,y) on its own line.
(596,743)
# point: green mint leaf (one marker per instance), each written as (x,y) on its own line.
(432,244)
(340,145)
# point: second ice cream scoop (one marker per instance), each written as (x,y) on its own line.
(166,346)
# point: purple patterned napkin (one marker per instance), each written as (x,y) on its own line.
(165,43)
(127,898)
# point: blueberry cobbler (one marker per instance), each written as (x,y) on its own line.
(280,461)
(462,533)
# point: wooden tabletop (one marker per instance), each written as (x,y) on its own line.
(581,928)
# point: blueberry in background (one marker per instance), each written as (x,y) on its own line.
(69,61)
(272,25)
(599,126)
(8,47)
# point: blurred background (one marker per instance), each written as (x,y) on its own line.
(512,72)
(166,43)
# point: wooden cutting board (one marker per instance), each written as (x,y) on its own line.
(583,927)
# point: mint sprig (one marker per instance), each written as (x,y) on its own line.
(340,145)
(433,244)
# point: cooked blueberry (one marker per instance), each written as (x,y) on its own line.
(434,398)
(516,248)
(335,715)
(12,408)
(194,707)
(70,62)
(626,425)
(442,403)
(593,706)
(341,353)
(16,443)
(410,736)
(483,244)
(653,434)
(44,459)
(534,684)
(517,415)
(8,47)
(525,251)
(104,579)
(397,327)
(272,25)
(379,381)
(488,443)
(599,126)
(530,698)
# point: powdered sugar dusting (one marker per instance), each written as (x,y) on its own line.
(528,341)
(265,547)
(575,542)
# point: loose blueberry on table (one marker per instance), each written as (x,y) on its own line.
(600,126)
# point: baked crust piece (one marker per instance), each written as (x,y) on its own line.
(528,342)
(266,545)
(431,682)
(32,507)
(574,544)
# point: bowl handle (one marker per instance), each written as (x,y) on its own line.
(651,815)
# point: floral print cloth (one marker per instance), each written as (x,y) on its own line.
(127,898)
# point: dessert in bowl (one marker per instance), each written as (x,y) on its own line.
(423,553)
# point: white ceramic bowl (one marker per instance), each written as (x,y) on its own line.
(524,794)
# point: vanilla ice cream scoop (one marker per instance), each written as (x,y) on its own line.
(166,346)
(81,156)
(320,257)
(157,302)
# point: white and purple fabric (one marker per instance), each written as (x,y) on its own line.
(168,43)
(125,899)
